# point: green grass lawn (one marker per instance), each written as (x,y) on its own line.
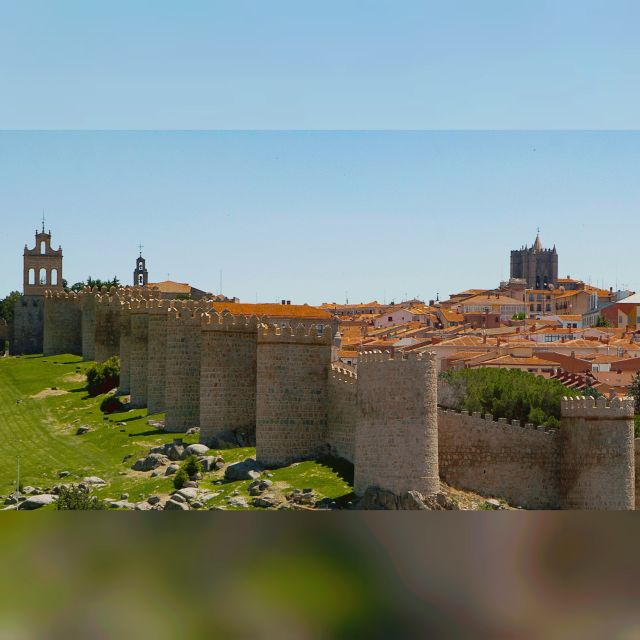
(39,427)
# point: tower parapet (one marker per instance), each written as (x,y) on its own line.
(292,392)
(396,446)
(184,348)
(228,378)
(597,454)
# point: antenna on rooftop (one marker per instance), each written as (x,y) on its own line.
(43,221)
(141,247)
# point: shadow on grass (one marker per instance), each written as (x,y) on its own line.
(150,432)
(341,467)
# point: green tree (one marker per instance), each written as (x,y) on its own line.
(192,466)
(103,377)
(602,322)
(180,479)
(77,498)
(7,304)
(505,393)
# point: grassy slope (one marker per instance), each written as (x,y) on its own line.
(41,432)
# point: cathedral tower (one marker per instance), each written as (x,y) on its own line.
(537,265)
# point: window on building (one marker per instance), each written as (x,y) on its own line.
(140,266)
(390,319)
(538,307)
(32,276)
(54,277)
(43,247)
(42,278)
(140,279)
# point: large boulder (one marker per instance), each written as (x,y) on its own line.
(93,480)
(188,493)
(212,463)
(174,505)
(376,498)
(174,451)
(196,450)
(151,462)
(35,502)
(248,469)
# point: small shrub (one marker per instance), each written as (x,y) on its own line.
(76,498)
(103,377)
(180,479)
(552,422)
(192,466)
(111,404)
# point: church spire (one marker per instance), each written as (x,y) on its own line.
(537,245)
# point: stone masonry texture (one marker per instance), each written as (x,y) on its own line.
(156,355)
(292,391)
(62,324)
(228,375)
(342,412)
(597,456)
(139,354)
(499,459)
(182,387)
(397,424)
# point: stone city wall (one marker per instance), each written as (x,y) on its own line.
(396,445)
(597,463)
(107,325)
(182,390)
(88,303)
(499,459)
(125,348)
(292,392)
(138,369)
(158,313)
(342,412)
(228,376)
(28,325)
(62,323)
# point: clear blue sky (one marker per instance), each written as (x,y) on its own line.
(309,216)
(333,64)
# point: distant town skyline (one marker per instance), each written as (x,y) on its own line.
(322,216)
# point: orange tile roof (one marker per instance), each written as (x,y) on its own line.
(272,310)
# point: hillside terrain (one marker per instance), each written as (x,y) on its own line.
(53,433)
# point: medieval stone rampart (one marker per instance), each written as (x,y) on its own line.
(342,412)
(107,327)
(125,348)
(138,369)
(62,323)
(184,346)
(292,392)
(88,303)
(497,458)
(228,376)
(28,325)
(597,462)
(396,445)
(158,312)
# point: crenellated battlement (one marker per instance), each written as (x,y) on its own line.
(592,408)
(226,321)
(300,334)
(367,357)
(340,374)
(60,295)
(486,420)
